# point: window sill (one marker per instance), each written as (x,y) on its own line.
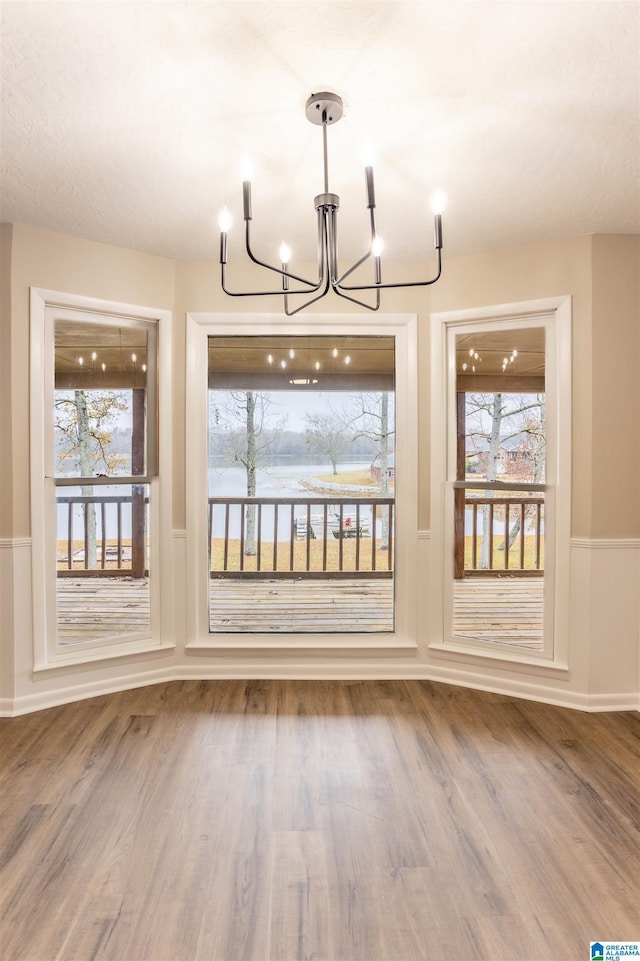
(345,644)
(86,656)
(501,659)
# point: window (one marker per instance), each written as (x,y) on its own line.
(95,480)
(330,537)
(501,520)
(301,469)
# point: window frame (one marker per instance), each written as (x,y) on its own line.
(403,327)
(45,307)
(554,315)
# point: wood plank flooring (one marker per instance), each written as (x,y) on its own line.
(317,821)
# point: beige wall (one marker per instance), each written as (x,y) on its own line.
(615,415)
(6,409)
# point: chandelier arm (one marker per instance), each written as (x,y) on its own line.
(319,296)
(323,246)
(259,293)
(283,273)
(414,283)
(360,303)
(338,283)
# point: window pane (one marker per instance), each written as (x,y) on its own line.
(104,405)
(102,562)
(301,519)
(499,531)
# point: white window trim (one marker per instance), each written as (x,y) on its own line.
(46,653)
(403,327)
(554,314)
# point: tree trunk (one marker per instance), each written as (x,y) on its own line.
(492,471)
(538,470)
(250,538)
(86,470)
(384,466)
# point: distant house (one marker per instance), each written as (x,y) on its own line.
(515,454)
(376,469)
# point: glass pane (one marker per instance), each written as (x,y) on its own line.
(102,562)
(104,405)
(499,534)
(301,484)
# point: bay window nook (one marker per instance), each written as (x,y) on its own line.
(138,601)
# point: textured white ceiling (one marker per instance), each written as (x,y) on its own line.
(126,122)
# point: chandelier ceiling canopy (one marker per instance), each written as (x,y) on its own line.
(324,109)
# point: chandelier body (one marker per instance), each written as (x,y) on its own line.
(324,109)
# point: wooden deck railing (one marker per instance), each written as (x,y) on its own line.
(515,528)
(307,537)
(117,555)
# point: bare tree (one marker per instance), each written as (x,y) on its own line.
(370,417)
(246,429)
(327,433)
(492,421)
(84,423)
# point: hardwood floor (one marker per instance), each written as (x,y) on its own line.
(333,821)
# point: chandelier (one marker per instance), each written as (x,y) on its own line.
(324,109)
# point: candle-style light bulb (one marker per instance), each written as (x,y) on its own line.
(224,220)
(285,253)
(438,201)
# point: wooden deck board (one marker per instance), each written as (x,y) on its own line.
(503,610)
(290,606)
(500,610)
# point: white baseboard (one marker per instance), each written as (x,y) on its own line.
(459,678)
(40,701)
